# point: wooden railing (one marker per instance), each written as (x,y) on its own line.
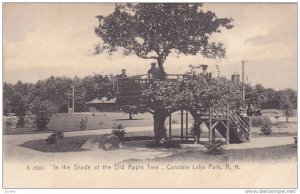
(134,84)
(239,121)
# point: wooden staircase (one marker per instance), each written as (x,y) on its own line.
(224,119)
(232,126)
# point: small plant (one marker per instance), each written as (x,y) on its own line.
(119,131)
(83,123)
(93,110)
(57,134)
(257,121)
(215,147)
(266,129)
(276,117)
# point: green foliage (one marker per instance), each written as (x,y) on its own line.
(57,134)
(257,121)
(215,147)
(193,91)
(132,110)
(83,123)
(266,129)
(153,30)
(118,130)
(288,102)
(43,111)
(7,106)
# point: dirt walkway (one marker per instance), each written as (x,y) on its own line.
(12,150)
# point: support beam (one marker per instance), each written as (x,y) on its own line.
(227,126)
(181,115)
(170,126)
(227,132)
(186,124)
(214,133)
(249,129)
(210,126)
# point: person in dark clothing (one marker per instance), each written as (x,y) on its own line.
(123,74)
(155,72)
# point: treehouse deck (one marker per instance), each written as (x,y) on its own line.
(227,122)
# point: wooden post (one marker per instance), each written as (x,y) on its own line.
(170,126)
(214,133)
(181,124)
(186,124)
(249,129)
(209,128)
(227,126)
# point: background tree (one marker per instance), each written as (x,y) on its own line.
(154,30)
(43,109)
(8,93)
(288,102)
(132,110)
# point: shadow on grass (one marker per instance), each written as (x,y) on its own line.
(137,119)
(70,144)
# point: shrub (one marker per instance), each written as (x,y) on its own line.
(21,121)
(93,110)
(111,142)
(132,110)
(119,131)
(257,121)
(57,134)
(266,129)
(215,147)
(43,111)
(83,123)
(277,117)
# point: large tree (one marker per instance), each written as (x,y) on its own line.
(192,92)
(287,102)
(154,30)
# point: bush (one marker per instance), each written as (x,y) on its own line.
(215,147)
(266,129)
(257,121)
(119,131)
(83,123)
(93,110)
(132,110)
(43,111)
(111,142)
(57,134)
(21,121)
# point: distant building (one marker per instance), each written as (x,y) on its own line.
(235,77)
(103,105)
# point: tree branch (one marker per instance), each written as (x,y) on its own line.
(144,56)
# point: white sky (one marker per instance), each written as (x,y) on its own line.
(43,39)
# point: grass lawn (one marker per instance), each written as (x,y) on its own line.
(104,120)
(276,153)
(73,144)
(142,139)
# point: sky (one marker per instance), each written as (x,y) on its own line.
(44,39)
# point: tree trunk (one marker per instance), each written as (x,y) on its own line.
(160,131)
(196,126)
(130,116)
(160,62)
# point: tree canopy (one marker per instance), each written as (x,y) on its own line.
(153,30)
(193,91)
